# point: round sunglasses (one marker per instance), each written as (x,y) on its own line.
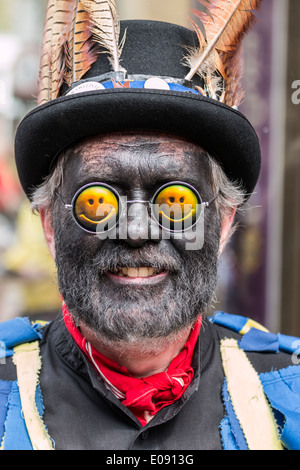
(98,207)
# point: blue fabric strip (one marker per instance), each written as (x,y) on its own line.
(17,331)
(5,391)
(12,424)
(289,344)
(40,407)
(234,322)
(15,433)
(257,340)
(236,430)
(228,440)
(282,388)
(39,401)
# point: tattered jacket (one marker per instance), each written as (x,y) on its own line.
(245,393)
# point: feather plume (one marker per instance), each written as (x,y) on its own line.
(61,26)
(44,92)
(210,66)
(106,28)
(225,23)
(81,50)
(52,65)
(234,67)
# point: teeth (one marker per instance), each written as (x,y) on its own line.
(151,272)
(132,272)
(135,272)
(145,272)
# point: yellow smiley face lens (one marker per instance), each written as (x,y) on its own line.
(96,208)
(176,207)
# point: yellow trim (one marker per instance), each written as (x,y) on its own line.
(40,322)
(248,399)
(28,363)
(252,324)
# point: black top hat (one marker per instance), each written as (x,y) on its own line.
(149,92)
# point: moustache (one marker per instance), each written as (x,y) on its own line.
(110,258)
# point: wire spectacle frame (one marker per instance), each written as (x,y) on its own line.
(112,207)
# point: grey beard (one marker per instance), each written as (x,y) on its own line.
(126,314)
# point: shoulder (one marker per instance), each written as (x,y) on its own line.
(266,351)
(254,337)
(17,331)
(13,333)
(248,350)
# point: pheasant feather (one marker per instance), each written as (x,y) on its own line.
(61,26)
(81,49)
(44,92)
(225,23)
(234,67)
(52,65)
(106,28)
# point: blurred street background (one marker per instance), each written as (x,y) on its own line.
(260,269)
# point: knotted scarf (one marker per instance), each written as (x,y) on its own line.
(143,396)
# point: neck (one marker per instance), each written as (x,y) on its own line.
(141,358)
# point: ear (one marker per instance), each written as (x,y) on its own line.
(46,220)
(226,226)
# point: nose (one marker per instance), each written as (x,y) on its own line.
(140,227)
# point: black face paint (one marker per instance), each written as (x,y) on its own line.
(125,312)
(183,285)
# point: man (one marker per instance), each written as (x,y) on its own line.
(137,175)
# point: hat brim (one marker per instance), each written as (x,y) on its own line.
(49,129)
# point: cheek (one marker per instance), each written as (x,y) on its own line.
(205,236)
(69,237)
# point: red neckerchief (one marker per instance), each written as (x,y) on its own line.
(143,396)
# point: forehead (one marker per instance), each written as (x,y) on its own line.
(135,155)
